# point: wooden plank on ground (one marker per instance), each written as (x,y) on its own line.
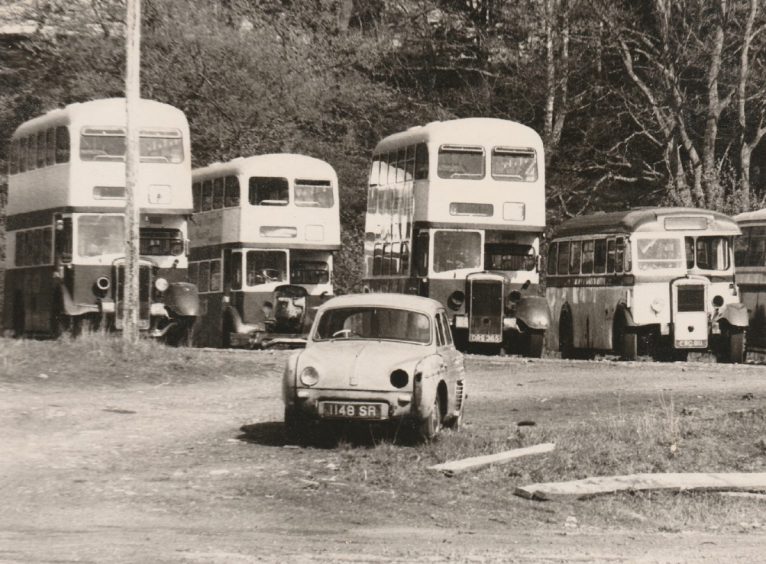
(456,466)
(723,481)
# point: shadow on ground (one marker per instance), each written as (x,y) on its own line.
(328,435)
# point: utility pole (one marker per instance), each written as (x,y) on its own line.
(132,159)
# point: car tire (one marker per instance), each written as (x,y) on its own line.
(432,425)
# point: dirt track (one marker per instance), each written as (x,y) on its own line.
(163,473)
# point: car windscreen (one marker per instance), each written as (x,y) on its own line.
(373,323)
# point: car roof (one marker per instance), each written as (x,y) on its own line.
(400,301)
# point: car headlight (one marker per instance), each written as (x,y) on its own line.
(309,376)
(161,284)
(658,304)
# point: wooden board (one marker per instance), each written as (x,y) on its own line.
(456,466)
(674,481)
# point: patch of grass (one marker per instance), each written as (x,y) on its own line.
(102,359)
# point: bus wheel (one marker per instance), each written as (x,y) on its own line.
(18,315)
(226,330)
(629,345)
(733,347)
(566,337)
(535,344)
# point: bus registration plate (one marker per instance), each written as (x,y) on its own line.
(691,344)
(334,409)
(485,338)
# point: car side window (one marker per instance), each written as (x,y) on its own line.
(439,332)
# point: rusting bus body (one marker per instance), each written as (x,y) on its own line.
(262,240)
(65,225)
(656,281)
(455,212)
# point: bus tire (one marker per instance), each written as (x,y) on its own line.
(535,342)
(18,315)
(735,347)
(226,330)
(629,345)
(566,336)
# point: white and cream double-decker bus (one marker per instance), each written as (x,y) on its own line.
(750,262)
(262,239)
(656,281)
(455,212)
(65,220)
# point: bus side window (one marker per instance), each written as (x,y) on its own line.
(553,249)
(50,147)
(588,251)
(377,260)
(740,247)
(421,161)
(207,195)
(404,264)
(62,144)
(14,168)
(619,254)
(20,254)
(599,256)
(401,164)
(204,276)
(231,199)
(374,179)
(215,275)
(421,254)
(386,259)
(610,256)
(409,171)
(42,149)
(32,152)
(574,257)
(47,246)
(197,196)
(23,154)
(218,193)
(563,259)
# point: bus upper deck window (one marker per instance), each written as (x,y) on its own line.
(268,191)
(50,147)
(218,193)
(32,152)
(14,157)
(313,193)
(207,195)
(23,154)
(42,149)
(231,199)
(62,144)
(461,161)
(514,164)
(409,172)
(197,196)
(421,161)
(552,258)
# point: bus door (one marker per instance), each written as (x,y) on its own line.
(232,279)
(689,315)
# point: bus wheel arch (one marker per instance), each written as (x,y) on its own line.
(624,335)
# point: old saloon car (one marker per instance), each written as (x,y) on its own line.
(376,358)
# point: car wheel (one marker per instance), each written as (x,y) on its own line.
(296,426)
(431,426)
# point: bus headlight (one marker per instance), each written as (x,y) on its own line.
(161,284)
(456,299)
(657,305)
(309,376)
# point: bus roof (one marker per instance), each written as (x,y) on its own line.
(476,130)
(755,216)
(273,164)
(637,220)
(106,111)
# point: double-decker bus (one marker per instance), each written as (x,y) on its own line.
(66,228)
(262,239)
(656,281)
(455,212)
(750,263)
